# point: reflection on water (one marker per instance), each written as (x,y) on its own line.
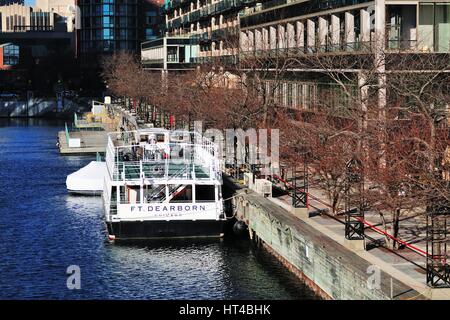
(44,230)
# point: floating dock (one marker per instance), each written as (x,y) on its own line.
(82,142)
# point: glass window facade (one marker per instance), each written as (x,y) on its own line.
(7,2)
(10,55)
(109,25)
(434,27)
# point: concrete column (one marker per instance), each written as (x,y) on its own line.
(365,26)
(282,37)
(349,29)
(380,44)
(310,34)
(165,53)
(272,37)
(300,35)
(290,35)
(363,91)
(118,196)
(243,39)
(265,38)
(323,33)
(380,23)
(258,40)
(294,95)
(335,30)
(251,40)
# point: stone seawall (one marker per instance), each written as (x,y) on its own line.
(330,269)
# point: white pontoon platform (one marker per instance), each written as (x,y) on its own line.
(88,180)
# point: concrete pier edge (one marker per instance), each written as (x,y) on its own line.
(325,264)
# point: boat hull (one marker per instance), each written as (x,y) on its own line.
(146,230)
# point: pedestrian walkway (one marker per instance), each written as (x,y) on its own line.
(406,265)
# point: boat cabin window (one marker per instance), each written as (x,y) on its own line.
(160,138)
(205,193)
(182,194)
(144,138)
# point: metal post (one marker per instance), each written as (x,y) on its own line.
(354,213)
(438,268)
(300,186)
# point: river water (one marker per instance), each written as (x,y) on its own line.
(43,231)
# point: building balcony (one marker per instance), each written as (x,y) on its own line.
(402,45)
(355,47)
(34,28)
(261,14)
(225,33)
(194,16)
(218,59)
(168,53)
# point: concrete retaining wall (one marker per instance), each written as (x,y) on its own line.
(330,269)
(38,107)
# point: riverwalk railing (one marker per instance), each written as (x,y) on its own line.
(67,133)
(162,161)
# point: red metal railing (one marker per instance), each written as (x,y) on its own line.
(378,230)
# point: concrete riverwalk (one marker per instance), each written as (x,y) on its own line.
(314,248)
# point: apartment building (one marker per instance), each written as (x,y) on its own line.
(64,10)
(7,2)
(283,29)
(9,56)
(108,26)
(21,18)
(212,24)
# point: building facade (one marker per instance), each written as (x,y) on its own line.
(64,10)
(37,32)
(346,28)
(9,56)
(169,54)
(21,18)
(152,19)
(108,26)
(212,24)
(8,2)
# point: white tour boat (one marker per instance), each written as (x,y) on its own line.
(162,184)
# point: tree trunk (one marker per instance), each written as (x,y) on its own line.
(395,228)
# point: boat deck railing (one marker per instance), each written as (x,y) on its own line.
(124,200)
(163,162)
